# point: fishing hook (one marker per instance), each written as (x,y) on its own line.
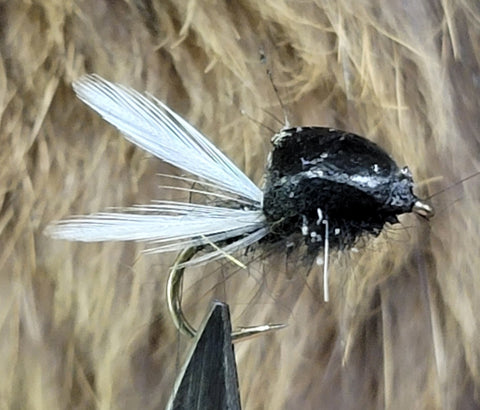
(174,302)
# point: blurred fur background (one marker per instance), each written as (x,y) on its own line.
(85,326)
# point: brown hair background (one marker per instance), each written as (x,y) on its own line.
(84,325)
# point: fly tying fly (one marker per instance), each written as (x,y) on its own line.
(323,188)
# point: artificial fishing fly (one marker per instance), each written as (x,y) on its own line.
(323,187)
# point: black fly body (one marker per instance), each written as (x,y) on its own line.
(323,174)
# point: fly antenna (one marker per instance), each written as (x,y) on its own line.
(263,60)
(454,185)
(261,124)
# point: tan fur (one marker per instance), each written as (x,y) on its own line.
(84,325)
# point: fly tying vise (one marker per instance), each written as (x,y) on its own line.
(323,188)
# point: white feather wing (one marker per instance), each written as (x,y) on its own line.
(167,225)
(152,126)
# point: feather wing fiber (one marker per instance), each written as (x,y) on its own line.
(166,224)
(151,125)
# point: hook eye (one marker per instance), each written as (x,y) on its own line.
(423,209)
(174,303)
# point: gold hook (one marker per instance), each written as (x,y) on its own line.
(174,302)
